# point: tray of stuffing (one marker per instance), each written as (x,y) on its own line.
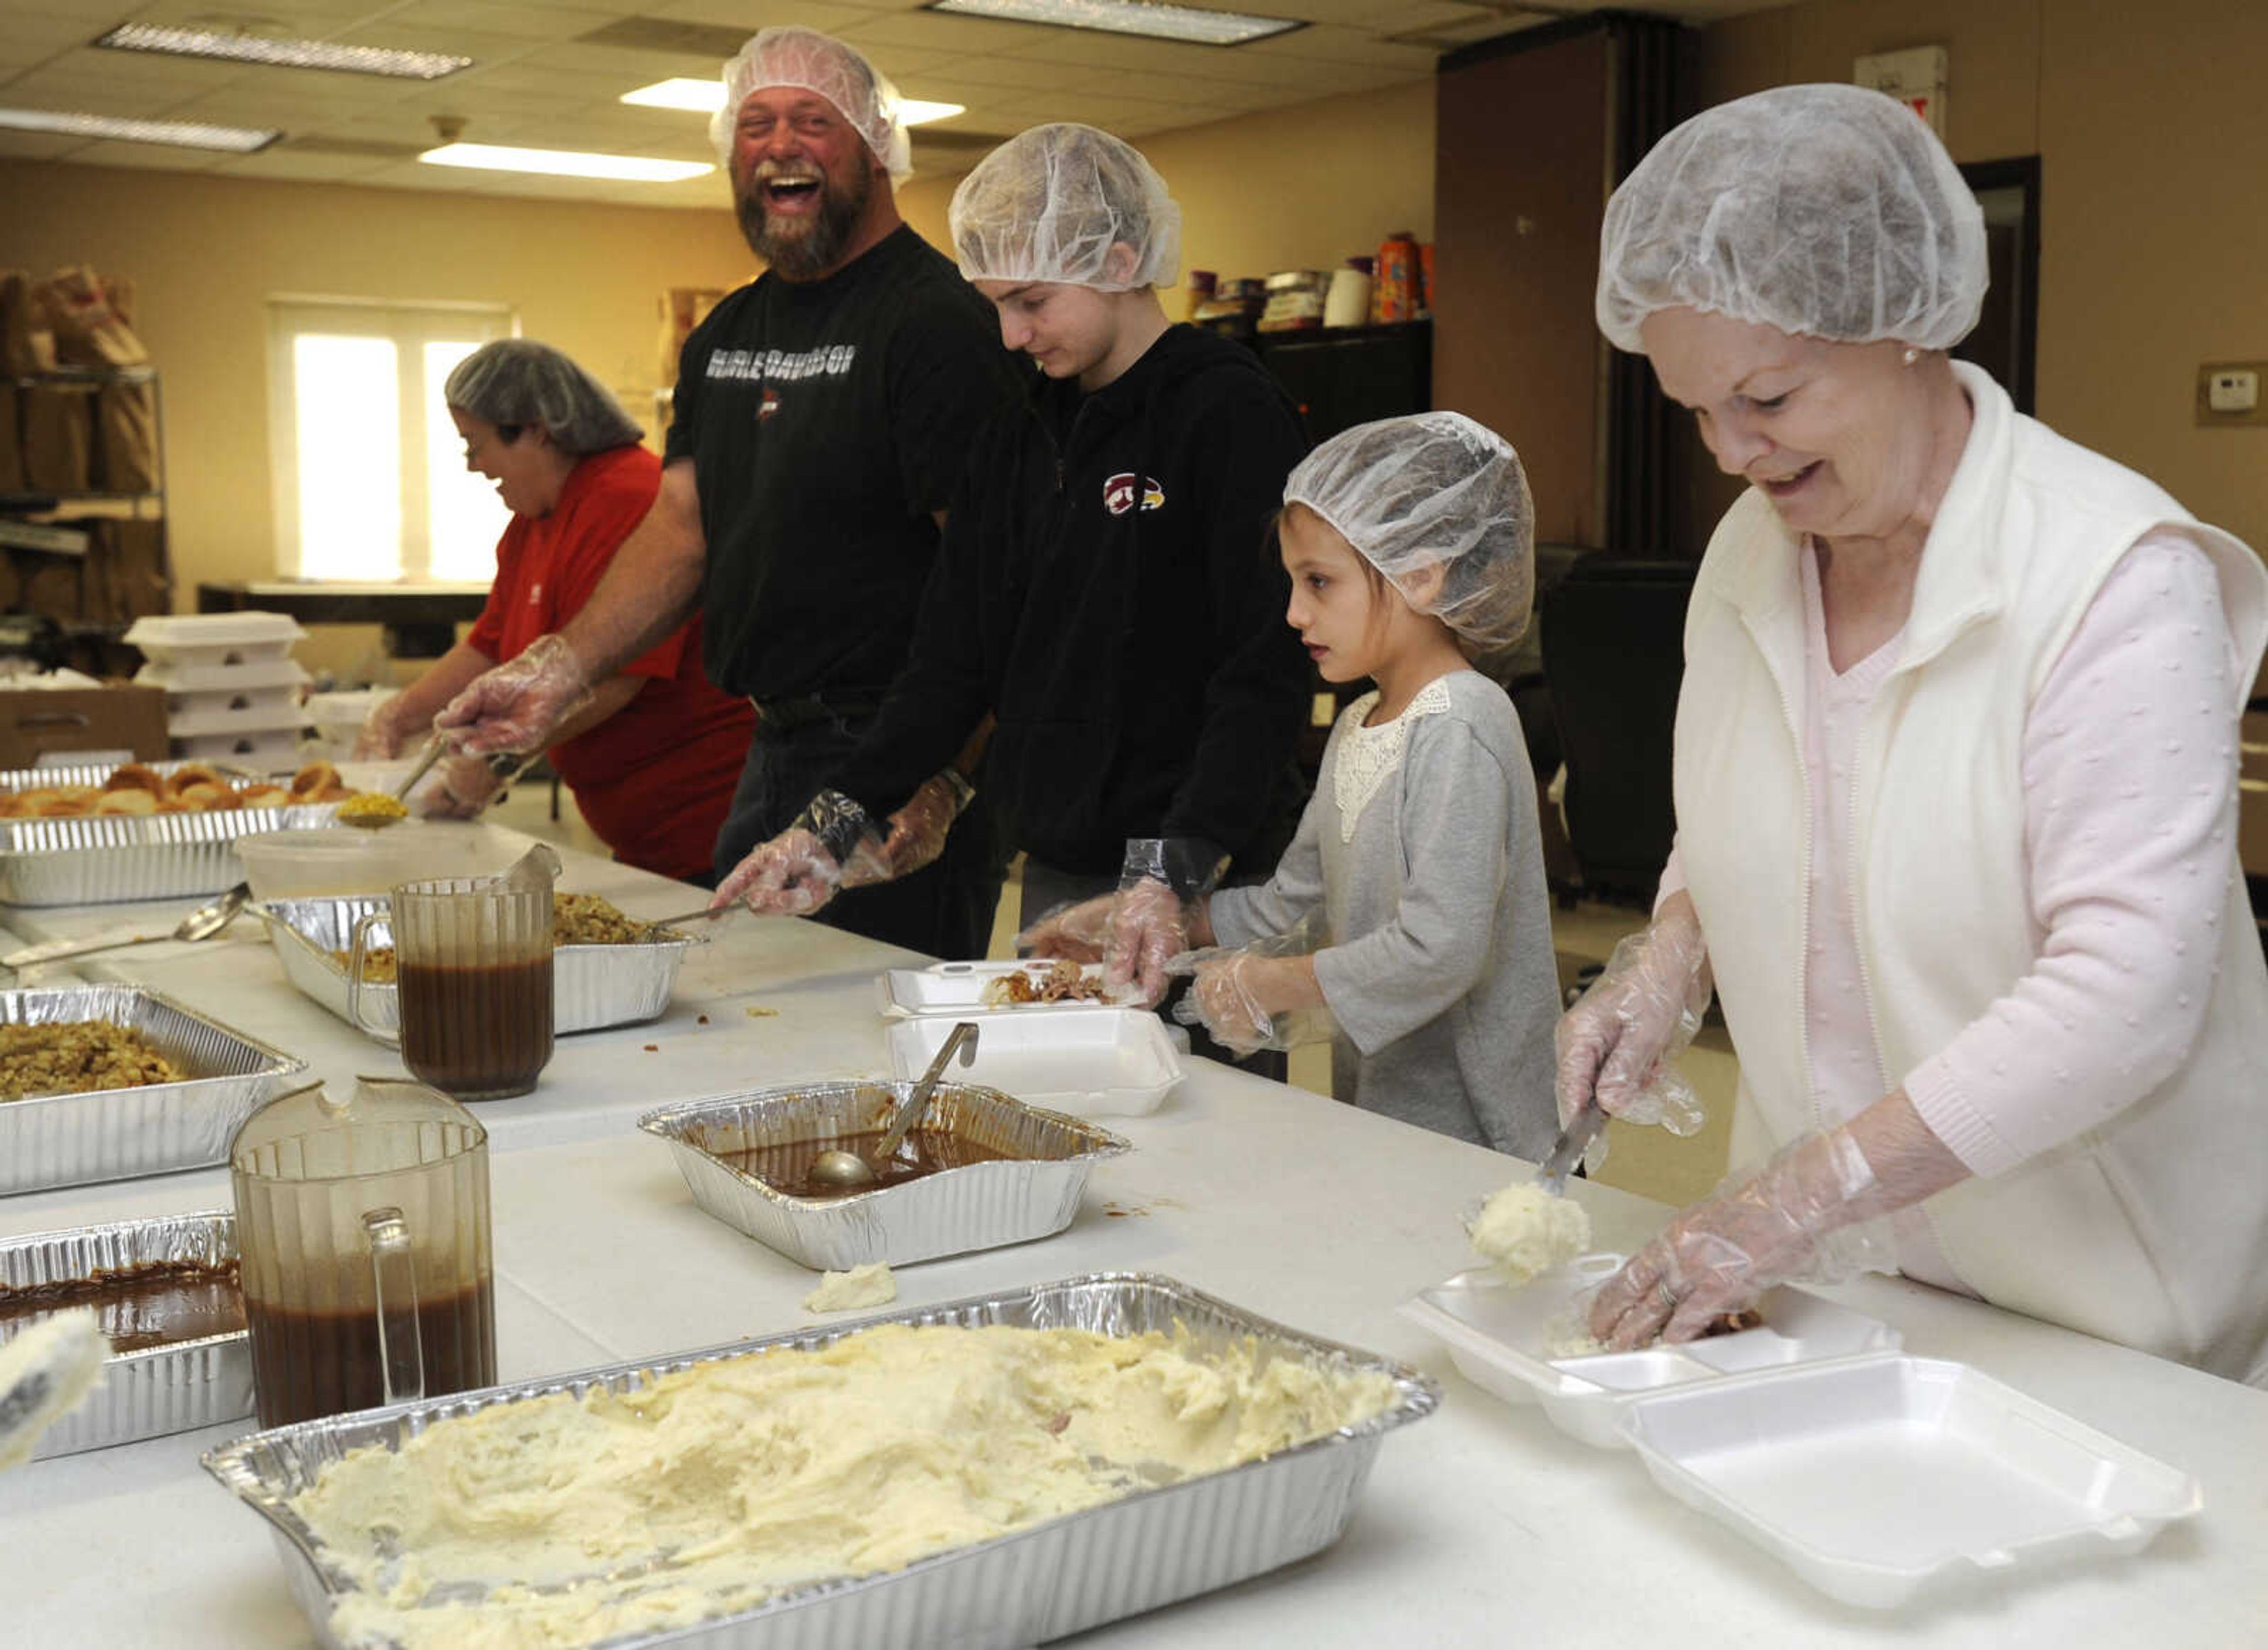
(93,836)
(1002,1471)
(1110,1063)
(962,989)
(980,1169)
(607,968)
(164,1294)
(105,1082)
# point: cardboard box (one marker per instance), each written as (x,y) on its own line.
(36,722)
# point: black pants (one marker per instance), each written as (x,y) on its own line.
(945,909)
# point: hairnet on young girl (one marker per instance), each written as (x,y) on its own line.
(1050,203)
(517,381)
(1827,211)
(1433,488)
(813,62)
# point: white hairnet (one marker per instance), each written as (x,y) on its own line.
(1432,488)
(1828,210)
(519,381)
(821,63)
(1049,203)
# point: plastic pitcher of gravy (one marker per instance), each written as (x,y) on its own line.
(363,1228)
(473,978)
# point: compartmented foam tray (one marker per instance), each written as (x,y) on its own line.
(981,1205)
(958,989)
(1108,1062)
(1070,1573)
(591,986)
(155,1128)
(147,1393)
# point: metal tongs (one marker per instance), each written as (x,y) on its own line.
(1574,1140)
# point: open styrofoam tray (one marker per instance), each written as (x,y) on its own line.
(1500,1337)
(1874,1477)
(958,989)
(1108,1062)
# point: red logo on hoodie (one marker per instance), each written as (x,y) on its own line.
(1119,494)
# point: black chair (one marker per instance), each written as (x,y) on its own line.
(1613,659)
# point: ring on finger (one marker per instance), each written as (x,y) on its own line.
(1666,1295)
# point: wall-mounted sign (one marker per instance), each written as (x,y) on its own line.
(1915,78)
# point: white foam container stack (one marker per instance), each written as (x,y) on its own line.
(232,689)
(1104,1062)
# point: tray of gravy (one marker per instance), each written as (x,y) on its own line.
(982,1169)
(164,1292)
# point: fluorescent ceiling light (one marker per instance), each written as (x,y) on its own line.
(565,162)
(237,140)
(708,96)
(1130,17)
(281,54)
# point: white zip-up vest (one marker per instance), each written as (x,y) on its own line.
(2152,1228)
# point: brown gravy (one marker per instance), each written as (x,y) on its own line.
(311,1364)
(479,1032)
(786,1167)
(157,1304)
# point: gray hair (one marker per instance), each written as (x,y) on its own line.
(515,382)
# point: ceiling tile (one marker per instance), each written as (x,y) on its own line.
(618,64)
(283,165)
(524,23)
(939,31)
(37,145)
(1021,74)
(148,157)
(754,14)
(1333,44)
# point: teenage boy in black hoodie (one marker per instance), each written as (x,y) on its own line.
(1105,590)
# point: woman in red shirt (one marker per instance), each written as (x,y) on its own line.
(653,758)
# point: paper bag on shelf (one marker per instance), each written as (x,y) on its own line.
(58,439)
(90,316)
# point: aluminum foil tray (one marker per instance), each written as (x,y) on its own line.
(591,986)
(980,1206)
(1071,1573)
(158,1389)
(100,859)
(117,1134)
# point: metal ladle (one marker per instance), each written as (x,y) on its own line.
(837,1170)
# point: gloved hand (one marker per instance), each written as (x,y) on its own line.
(385,731)
(1811,1214)
(1259,995)
(832,845)
(516,706)
(1160,887)
(1615,1045)
(918,830)
(458,786)
(1076,932)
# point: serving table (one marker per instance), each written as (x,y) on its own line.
(1482,1526)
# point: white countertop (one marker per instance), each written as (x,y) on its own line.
(1480,1526)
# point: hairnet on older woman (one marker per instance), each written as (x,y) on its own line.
(517,381)
(812,62)
(1050,203)
(1433,488)
(1827,211)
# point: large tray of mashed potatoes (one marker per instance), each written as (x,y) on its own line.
(1002,1471)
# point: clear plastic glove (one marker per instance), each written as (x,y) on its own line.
(1255,997)
(833,844)
(1811,1214)
(517,706)
(1617,1044)
(1077,933)
(457,786)
(918,830)
(386,731)
(1158,888)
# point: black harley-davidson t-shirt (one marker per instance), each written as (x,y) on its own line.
(828,421)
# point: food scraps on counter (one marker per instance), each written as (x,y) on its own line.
(74,1056)
(568,1520)
(868,1284)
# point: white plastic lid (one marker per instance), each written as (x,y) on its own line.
(213,630)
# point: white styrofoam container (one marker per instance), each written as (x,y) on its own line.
(177,678)
(232,710)
(205,639)
(1876,1477)
(1106,1063)
(958,989)
(280,745)
(1500,1335)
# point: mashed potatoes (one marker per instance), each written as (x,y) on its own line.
(1525,1231)
(709,1490)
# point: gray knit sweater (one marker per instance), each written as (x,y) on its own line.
(1421,845)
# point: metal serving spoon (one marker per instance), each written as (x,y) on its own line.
(1574,1140)
(837,1170)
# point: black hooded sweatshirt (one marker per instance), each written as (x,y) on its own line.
(1109,589)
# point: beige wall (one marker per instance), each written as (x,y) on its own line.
(2153,152)
(1305,187)
(206,253)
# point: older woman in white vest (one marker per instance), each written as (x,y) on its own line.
(1955,776)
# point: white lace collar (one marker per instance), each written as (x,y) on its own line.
(1368,756)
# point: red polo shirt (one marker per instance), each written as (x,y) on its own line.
(655,778)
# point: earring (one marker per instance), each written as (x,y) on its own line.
(1911,354)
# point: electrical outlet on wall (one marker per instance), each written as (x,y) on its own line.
(2228,393)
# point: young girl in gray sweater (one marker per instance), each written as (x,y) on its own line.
(1411,905)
